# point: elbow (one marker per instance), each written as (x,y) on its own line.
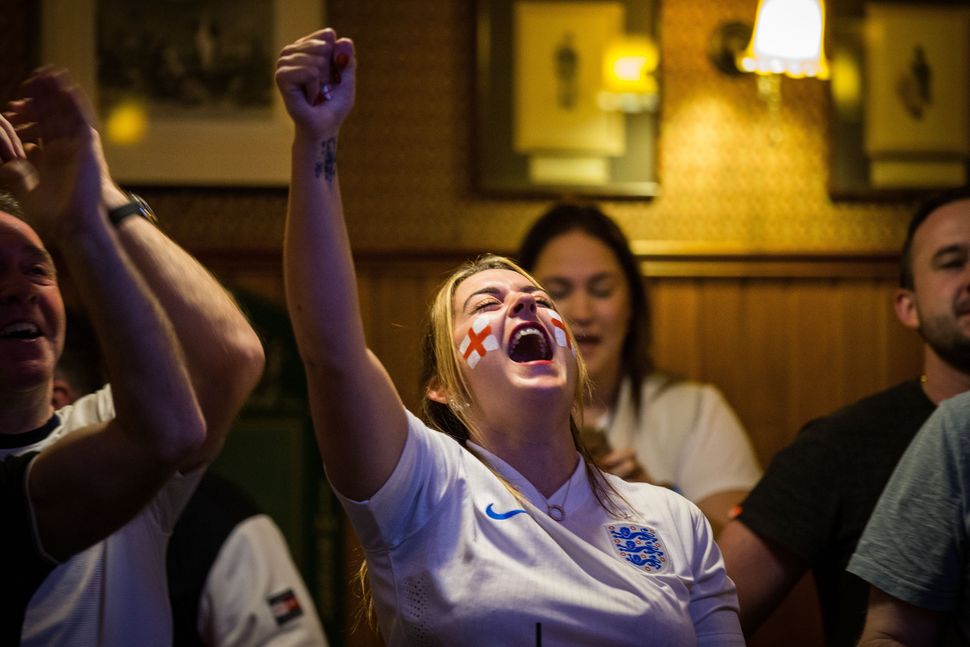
(186,438)
(248,360)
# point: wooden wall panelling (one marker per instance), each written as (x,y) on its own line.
(782,350)
(722,328)
(761,355)
(812,331)
(675,307)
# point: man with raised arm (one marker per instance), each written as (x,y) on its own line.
(114,592)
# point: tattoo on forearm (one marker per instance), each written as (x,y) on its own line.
(327,164)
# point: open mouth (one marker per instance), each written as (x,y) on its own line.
(20,330)
(529,344)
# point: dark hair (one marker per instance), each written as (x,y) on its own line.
(9,204)
(923,212)
(565,217)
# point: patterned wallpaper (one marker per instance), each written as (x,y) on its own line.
(406,152)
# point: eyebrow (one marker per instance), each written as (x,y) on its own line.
(39,253)
(495,291)
(955,248)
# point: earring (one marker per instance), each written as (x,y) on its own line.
(457,405)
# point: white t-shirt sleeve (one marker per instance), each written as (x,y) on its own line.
(716,455)
(254,594)
(428,466)
(172,498)
(713,599)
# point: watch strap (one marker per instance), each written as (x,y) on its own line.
(136,207)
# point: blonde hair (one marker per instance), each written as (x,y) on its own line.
(441,370)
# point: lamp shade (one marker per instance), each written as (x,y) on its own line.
(788,37)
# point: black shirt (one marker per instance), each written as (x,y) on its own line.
(210,516)
(818,493)
(25,566)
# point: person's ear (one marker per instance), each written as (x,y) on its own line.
(62,394)
(906,310)
(436,392)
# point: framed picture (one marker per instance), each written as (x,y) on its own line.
(541,126)
(901,103)
(184,90)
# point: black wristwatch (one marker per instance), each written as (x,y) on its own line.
(137,207)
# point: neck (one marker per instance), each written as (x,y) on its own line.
(942,380)
(544,453)
(25,410)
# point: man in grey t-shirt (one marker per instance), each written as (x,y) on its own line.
(913,550)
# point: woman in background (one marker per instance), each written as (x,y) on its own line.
(498,531)
(650,426)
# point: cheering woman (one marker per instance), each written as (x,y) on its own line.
(486,523)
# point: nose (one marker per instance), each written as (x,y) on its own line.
(577,308)
(16,288)
(525,304)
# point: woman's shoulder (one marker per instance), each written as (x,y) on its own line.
(670,389)
(649,499)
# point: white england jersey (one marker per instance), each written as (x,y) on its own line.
(455,558)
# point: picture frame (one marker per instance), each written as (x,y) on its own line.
(200,133)
(538,128)
(900,103)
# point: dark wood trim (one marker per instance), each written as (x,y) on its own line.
(668,260)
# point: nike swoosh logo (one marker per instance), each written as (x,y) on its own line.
(501,515)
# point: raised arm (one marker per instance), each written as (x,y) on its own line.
(222,352)
(92,481)
(358,417)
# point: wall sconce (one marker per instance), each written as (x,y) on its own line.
(788,38)
(629,80)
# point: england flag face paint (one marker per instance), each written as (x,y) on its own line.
(478,341)
(560,331)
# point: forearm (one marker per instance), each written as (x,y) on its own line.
(762,571)
(891,622)
(318,264)
(222,352)
(359,419)
(157,423)
(151,390)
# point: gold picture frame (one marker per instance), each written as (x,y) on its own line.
(900,100)
(207,143)
(539,130)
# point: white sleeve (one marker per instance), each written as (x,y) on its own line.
(713,598)
(254,594)
(428,467)
(717,455)
(168,503)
